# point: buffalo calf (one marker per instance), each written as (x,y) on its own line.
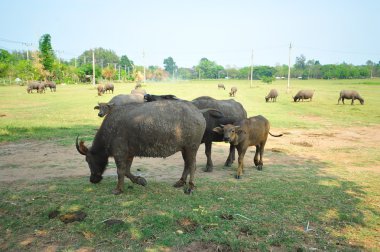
(252,131)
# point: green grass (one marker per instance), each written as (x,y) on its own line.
(69,111)
(264,211)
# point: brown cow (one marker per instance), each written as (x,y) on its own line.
(350,94)
(233,91)
(100,89)
(252,131)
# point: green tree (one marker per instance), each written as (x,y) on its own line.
(125,62)
(46,52)
(208,69)
(103,57)
(170,66)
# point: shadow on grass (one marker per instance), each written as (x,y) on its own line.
(293,204)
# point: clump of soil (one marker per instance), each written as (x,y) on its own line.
(303,144)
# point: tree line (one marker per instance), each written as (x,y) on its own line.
(44,64)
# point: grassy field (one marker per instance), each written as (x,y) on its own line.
(304,204)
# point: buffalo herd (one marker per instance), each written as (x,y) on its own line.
(40,86)
(147,125)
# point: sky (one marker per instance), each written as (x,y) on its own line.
(226,32)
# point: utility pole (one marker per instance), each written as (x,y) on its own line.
(288,89)
(119,72)
(93,67)
(75,62)
(251,68)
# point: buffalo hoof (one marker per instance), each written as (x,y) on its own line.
(260,167)
(188,191)
(179,183)
(141,181)
(237,176)
(117,191)
(208,169)
(228,164)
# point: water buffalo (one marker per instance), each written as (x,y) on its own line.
(100,89)
(350,94)
(150,97)
(233,91)
(221,86)
(39,86)
(51,85)
(232,111)
(272,95)
(105,108)
(150,129)
(304,94)
(108,87)
(252,131)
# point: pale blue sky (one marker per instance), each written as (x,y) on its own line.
(331,31)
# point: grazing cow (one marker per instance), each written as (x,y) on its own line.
(108,87)
(33,85)
(100,89)
(248,132)
(150,129)
(232,111)
(51,85)
(350,94)
(303,94)
(150,97)
(233,91)
(220,85)
(105,108)
(272,95)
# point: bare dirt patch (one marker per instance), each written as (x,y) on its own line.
(36,160)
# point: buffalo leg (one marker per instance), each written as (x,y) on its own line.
(352,102)
(135,179)
(343,100)
(256,159)
(240,168)
(209,165)
(260,166)
(190,162)
(182,181)
(231,156)
(121,165)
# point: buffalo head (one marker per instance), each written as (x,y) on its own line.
(230,133)
(104,108)
(97,162)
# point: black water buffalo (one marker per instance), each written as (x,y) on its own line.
(105,108)
(150,97)
(272,95)
(304,94)
(232,111)
(52,85)
(233,91)
(39,86)
(150,129)
(221,86)
(350,94)
(108,87)
(252,131)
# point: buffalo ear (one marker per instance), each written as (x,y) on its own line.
(240,131)
(82,149)
(97,107)
(218,130)
(110,104)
